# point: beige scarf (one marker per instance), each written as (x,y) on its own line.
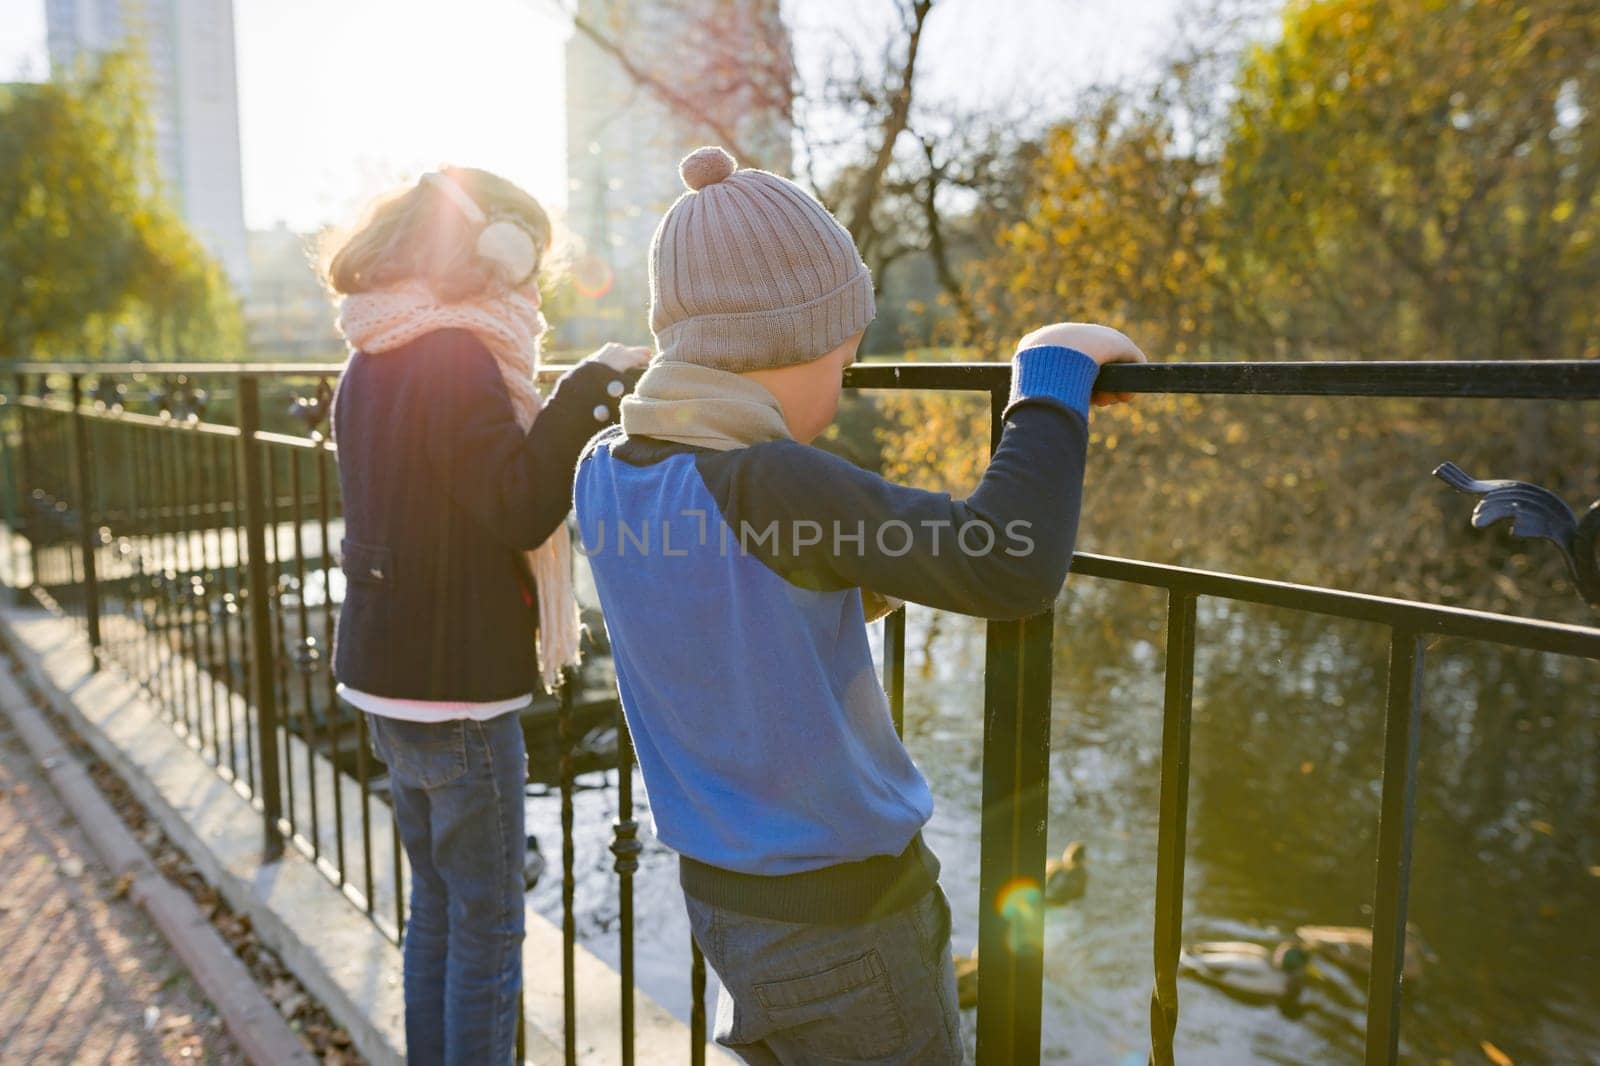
(697,405)
(510,327)
(703,407)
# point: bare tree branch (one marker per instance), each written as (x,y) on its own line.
(677,101)
(870,183)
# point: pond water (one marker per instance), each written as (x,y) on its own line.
(1287,746)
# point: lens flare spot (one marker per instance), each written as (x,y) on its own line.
(592,277)
(1021,904)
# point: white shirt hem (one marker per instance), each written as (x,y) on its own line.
(431,710)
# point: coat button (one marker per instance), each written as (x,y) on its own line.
(614,388)
(602,413)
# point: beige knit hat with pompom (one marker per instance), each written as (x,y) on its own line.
(749,272)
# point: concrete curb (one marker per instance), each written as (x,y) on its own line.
(293,909)
(251,1019)
(342,958)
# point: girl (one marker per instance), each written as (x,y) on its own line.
(457,480)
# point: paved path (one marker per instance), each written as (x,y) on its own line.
(84,976)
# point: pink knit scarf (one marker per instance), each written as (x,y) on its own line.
(510,327)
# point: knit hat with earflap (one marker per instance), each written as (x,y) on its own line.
(748,272)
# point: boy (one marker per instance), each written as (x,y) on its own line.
(730,558)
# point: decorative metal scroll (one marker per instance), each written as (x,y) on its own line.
(1536,512)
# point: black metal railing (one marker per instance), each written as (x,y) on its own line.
(198,557)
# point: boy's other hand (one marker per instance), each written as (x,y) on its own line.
(621,357)
(1100,343)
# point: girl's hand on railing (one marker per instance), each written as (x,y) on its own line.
(1100,343)
(621,357)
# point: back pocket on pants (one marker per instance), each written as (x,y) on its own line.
(846,1012)
(421,754)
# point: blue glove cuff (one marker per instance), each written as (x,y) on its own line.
(1053,372)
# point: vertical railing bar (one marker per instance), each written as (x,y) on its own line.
(206,515)
(280,642)
(364,782)
(25,480)
(894,666)
(88,530)
(128,645)
(564,775)
(697,1007)
(1397,820)
(193,664)
(228,600)
(1172,834)
(161,593)
(626,847)
(170,579)
(240,614)
(190,677)
(323,515)
(155,544)
(138,518)
(266,696)
(303,649)
(1016,767)
(122,549)
(399,866)
(71,597)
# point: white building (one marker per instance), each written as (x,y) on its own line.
(729,59)
(190,48)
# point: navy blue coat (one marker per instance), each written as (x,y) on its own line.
(442,494)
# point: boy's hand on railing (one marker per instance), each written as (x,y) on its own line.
(1100,343)
(621,357)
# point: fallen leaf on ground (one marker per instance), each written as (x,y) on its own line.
(120,889)
(1542,827)
(1495,1055)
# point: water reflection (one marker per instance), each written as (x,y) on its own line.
(1287,747)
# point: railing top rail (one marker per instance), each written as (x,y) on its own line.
(1569,379)
(174,369)
(1560,638)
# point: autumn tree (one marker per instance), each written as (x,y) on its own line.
(1243,206)
(1421,178)
(93,258)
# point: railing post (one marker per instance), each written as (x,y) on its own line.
(894,666)
(1174,822)
(1402,724)
(569,882)
(88,531)
(1016,766)
(24,489)
(262,671)
(626,847)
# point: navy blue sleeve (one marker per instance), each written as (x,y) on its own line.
(519,486)
(1003,552)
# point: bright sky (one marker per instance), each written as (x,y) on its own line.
(340,99)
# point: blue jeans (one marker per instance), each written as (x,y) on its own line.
(881,991)
(458,794)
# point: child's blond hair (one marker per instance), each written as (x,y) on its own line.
(416,233)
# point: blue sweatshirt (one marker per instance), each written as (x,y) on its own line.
(731,586)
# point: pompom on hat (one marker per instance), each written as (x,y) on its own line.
(749,272)
(706,166)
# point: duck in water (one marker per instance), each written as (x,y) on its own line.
(1067,878)
(1249,972)
(1350,948)
(967,979)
